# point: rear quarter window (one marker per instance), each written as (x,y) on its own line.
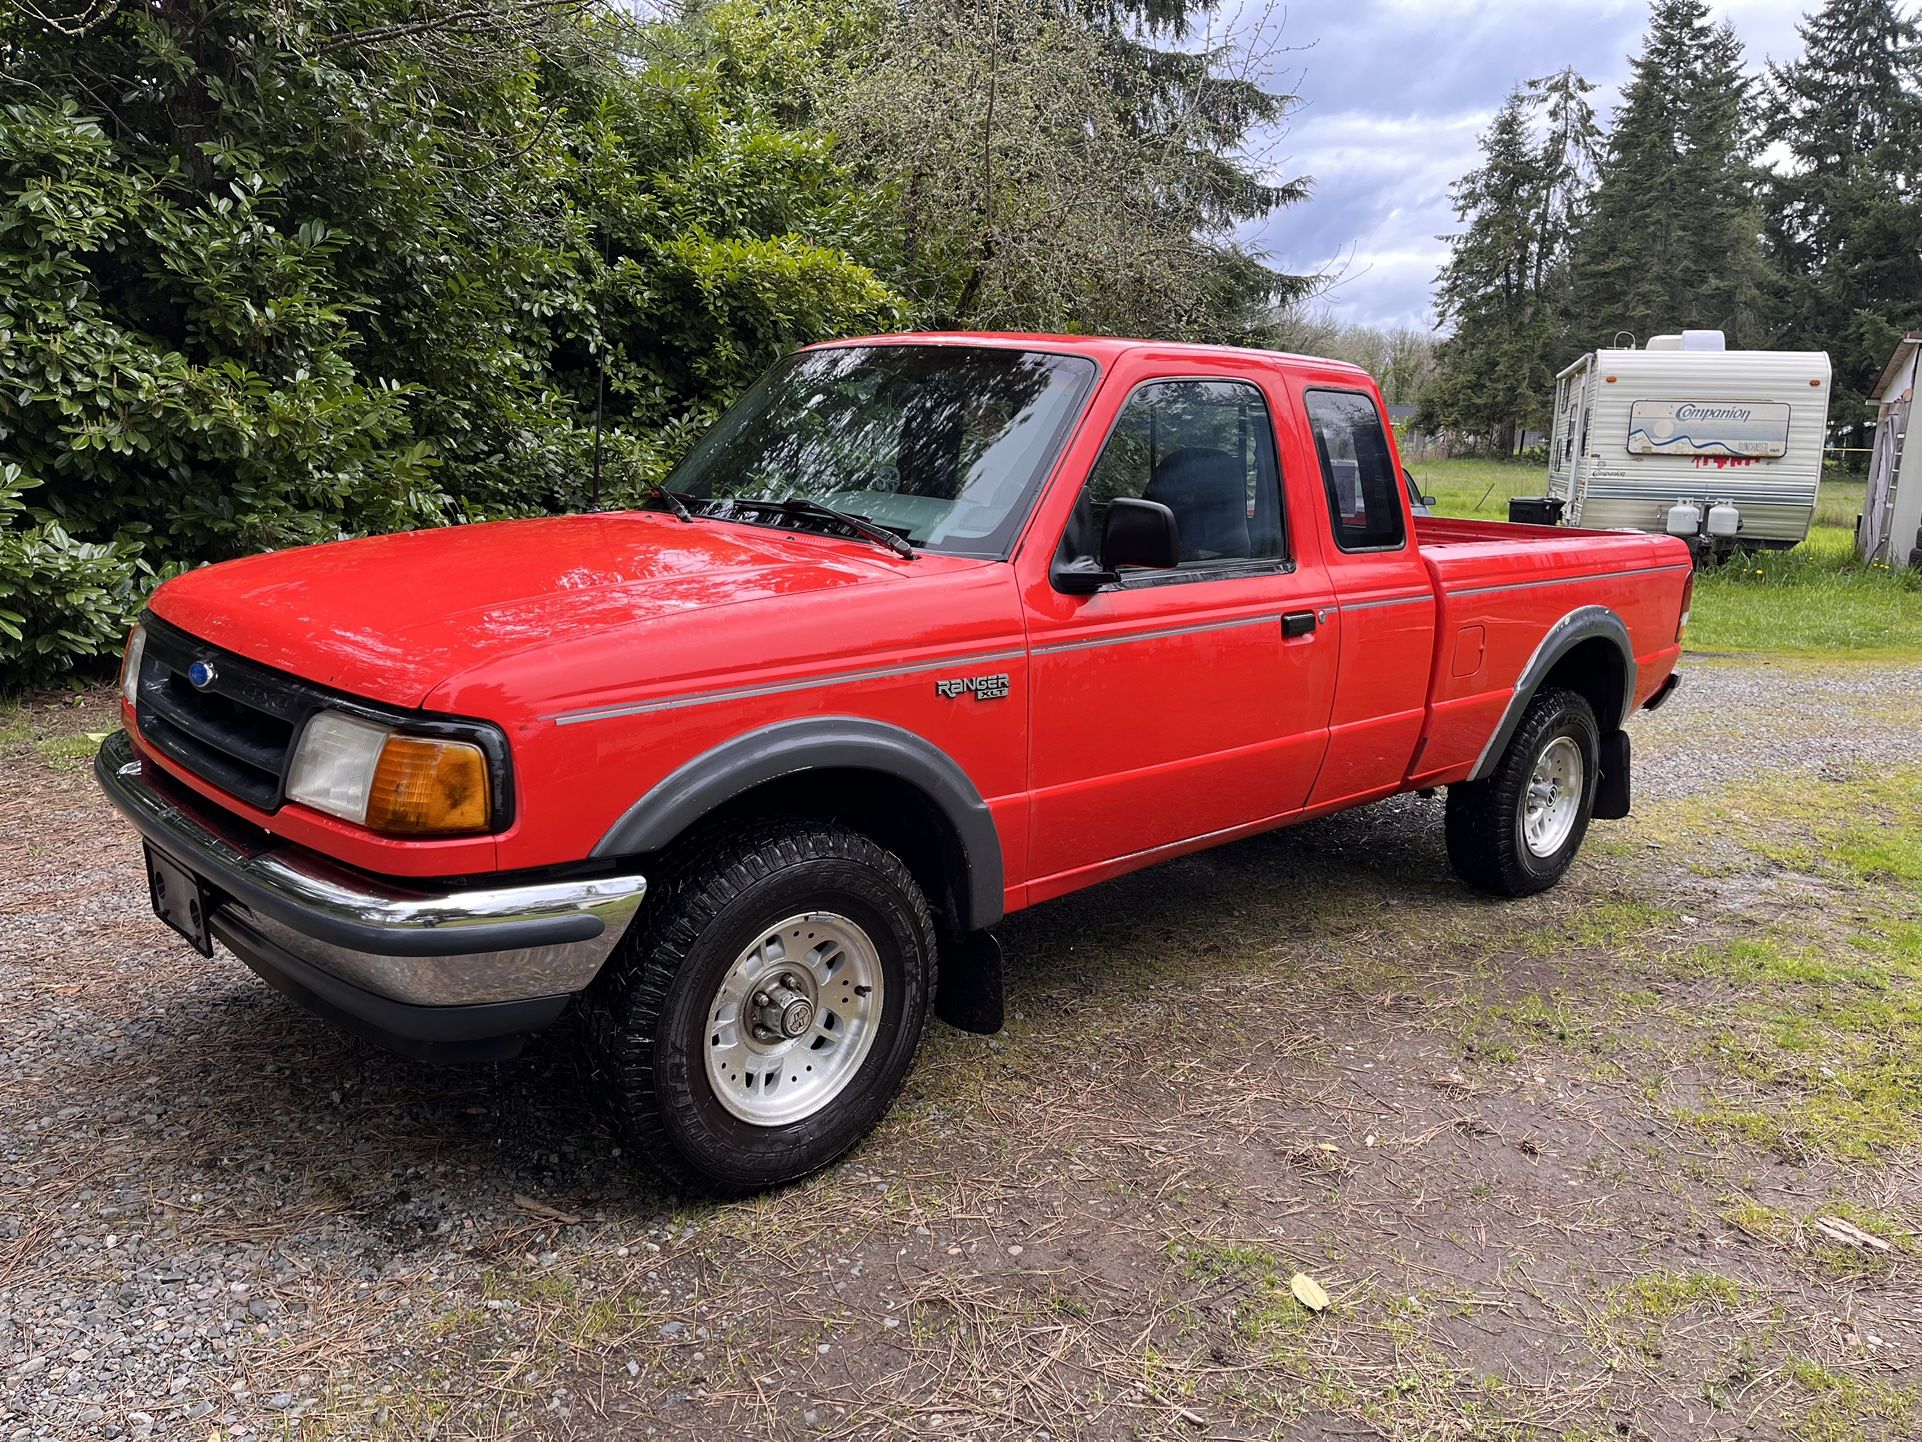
(1357,471)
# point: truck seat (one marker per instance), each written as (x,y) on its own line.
(1208,492)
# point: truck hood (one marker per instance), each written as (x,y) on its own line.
(392,617)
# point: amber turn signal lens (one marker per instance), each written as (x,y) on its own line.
(429,788)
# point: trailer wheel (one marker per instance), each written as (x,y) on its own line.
(764,1015)
(1516,831)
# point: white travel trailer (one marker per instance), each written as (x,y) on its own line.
(1720,447)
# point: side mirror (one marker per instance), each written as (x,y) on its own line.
(1134,533)
(1414,490)
(1139,533)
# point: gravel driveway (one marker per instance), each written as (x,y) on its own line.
(218,1216)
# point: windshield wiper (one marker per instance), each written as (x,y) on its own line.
(676,502)
(853,520)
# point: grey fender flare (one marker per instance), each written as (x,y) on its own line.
(696,788)
(1582,624)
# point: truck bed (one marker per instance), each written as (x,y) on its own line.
(1447,531)
(1495,582)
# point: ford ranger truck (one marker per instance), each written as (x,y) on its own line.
(926,629)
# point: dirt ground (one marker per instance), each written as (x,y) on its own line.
(1641,1158)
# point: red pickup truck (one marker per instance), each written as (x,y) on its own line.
(925,630)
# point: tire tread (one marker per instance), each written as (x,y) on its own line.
(1479,821)
(623,1009)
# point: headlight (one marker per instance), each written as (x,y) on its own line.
(371,775)
(334,764)
(130,661)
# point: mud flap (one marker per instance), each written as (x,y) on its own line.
(969,994)
(1611,790)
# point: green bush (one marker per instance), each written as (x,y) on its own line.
(60,599)
(277,271)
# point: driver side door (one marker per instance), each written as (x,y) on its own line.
(1171,706)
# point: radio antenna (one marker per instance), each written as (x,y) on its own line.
(600,406)
(600,372)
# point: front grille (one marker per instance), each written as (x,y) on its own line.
(236,730)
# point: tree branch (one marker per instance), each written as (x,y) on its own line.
(501,15)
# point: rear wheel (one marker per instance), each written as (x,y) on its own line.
(1515,832)
(769,1007)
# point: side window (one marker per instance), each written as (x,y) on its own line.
(1206,451)
(1364,493)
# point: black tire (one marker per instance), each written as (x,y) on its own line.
(647,1017)
(1484,822)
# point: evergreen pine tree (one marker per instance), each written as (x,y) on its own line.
(1844,214)
(1672,240)
(1200,100)
(1504,288)
(1483,290)
(1566,181)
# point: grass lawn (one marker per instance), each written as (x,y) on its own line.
(63,731)
(1815,598)
(1478,490)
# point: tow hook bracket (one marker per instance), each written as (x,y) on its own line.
(969,995)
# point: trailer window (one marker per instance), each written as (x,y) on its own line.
(1565,420)
(1358,471)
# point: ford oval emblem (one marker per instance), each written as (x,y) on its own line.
(201,675)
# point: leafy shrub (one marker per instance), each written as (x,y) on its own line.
(60,599)
(277,271)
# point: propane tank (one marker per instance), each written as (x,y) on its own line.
(1684,519)
(1724,521)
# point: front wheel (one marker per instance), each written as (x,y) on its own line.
(765,1015)
(1515,832)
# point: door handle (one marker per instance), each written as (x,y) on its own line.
(1297,623)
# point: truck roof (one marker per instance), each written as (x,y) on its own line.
(1097,348)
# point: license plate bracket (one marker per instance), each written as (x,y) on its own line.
(179,900)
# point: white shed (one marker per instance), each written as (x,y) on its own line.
(1891,525)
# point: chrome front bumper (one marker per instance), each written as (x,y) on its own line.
(422,970)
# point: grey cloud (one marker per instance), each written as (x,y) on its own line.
(1393,96)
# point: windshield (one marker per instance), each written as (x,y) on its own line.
(941,444)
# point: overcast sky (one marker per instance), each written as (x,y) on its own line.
(1394,93)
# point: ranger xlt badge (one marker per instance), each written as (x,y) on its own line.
(985,688)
